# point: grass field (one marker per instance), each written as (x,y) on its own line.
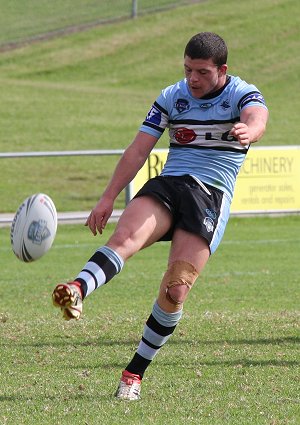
(92,90)
(233,359)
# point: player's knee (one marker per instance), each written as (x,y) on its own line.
(177,294)
(176,284)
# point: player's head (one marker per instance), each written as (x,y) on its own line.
(205,65)
(207,45)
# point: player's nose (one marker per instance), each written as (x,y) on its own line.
(194,77)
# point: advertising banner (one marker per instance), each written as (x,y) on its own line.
(269,180)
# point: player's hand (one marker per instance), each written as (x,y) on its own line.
(241,132)
(99,216)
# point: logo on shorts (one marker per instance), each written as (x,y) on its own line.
(209,224)
(211,213)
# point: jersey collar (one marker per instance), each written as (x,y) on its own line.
(219,91)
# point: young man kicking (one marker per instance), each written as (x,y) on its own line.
(212,118)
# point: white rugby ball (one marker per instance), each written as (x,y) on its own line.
(34,227)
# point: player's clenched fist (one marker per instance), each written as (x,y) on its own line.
(240,131)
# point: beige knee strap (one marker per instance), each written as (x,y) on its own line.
(179,273)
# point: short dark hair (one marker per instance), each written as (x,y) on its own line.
(207,45)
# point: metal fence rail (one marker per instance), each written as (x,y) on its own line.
(72,217)
(64,217)
(61,153)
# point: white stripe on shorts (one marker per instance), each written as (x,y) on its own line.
(221,224)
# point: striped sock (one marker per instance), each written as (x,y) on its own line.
(158,329)
(100,268)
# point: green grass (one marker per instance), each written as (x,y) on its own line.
(92,90)
(19,20)
(232,360)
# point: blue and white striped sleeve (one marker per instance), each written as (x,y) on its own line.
(250,96)
(157,118)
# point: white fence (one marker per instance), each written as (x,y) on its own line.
(61,153)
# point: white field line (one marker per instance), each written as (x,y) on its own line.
(259,242)
(233,242)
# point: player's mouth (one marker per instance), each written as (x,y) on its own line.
(196,91)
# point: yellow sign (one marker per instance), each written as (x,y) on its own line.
(152,168)
(269,180)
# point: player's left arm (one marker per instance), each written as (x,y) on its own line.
(252,125)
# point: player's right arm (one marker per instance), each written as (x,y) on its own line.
(130,163)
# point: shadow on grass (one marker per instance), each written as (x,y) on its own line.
(250,363)
(238,363)
(60,341)
(80,397)
(259,341)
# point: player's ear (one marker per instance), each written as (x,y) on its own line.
(223,69)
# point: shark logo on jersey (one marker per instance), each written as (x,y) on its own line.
(225,104)
(154,116)
(182,105)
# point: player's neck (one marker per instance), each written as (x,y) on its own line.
(220,87)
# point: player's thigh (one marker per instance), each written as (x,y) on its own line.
(189,247)
(144,221)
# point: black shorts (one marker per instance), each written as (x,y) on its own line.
(192,208)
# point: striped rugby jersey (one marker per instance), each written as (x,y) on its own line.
(200,144)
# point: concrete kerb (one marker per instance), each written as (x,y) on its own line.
(76,217)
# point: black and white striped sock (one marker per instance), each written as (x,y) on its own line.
(158,329)
(100,268)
